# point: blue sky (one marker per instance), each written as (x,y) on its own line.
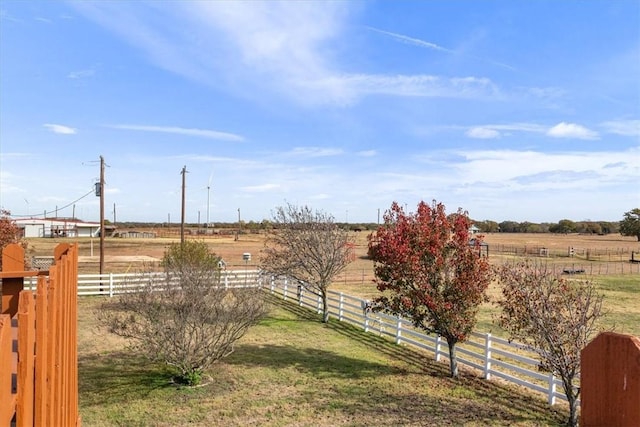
(525,111)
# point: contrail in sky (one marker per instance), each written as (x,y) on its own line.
(434,46)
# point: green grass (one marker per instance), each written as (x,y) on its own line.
(621,302)
(292,370)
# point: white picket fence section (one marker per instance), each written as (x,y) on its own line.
(492,356)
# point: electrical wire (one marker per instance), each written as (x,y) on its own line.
(58,209)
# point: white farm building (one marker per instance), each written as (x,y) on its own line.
(57,227)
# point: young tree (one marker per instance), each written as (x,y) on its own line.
(309,247)
(429,272)
(553,316)
(630,225)
(188,320)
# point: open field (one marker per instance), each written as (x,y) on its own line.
(622,291)
(279,377)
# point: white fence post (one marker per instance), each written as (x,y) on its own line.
(399,330)
(487,357)
(438,347)
(110,285)
(366,320)
(284,291)
(319,306)
(552,389)
(273,284)
(341,307)
(226,280)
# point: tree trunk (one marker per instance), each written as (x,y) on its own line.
(453,361)
(572,398)
(325,307)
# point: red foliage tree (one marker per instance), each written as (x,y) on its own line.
(9,231)
(429,271)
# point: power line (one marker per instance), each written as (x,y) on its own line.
(59,209)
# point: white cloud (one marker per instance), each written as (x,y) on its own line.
(261,188)
(482,133)
(61,129)
(81,74)
(348,88)
(571,130)
(367,153)
(623,127)
(280,47)
(504,167)
(202,133)
(315,152)
(495,131)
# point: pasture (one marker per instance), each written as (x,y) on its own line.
(608,264)
(278,376)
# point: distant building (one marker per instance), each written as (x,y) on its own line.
(57,227)
(473,230)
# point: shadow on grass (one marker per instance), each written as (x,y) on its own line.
(492,401)
(319,363)
(118,377)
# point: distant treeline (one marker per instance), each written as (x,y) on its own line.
(485,226)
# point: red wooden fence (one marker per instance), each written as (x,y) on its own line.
(38,342)
(610,381)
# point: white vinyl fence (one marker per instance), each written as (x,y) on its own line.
(111,284)
(492,356)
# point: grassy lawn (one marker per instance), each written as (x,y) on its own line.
(291,370)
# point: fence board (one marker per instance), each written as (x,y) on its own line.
(26,362)
(7,404)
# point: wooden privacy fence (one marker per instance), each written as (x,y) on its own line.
(38,341)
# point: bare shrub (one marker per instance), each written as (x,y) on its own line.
(187,318)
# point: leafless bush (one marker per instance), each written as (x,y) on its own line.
(188,320)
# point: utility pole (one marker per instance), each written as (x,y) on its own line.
(208,198)
(114,214)
(102,233)
(239,225)
(184,180)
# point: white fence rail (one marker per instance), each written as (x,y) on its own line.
(111,284)
(492,356)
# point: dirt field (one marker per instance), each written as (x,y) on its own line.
(608,254)
(608,260)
